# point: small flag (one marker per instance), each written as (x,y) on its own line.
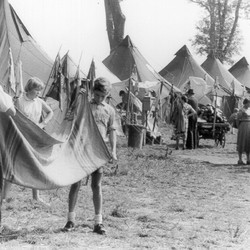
(65,72)
(56,88)
(56,66)
(91,77)
(12,80)
(78,79)
(19,79)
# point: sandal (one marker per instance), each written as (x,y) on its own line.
(240,162)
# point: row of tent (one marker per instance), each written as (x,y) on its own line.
(124,62)
(210,80)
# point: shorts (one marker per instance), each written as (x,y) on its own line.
(99,171)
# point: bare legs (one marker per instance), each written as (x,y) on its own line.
(36,197)
(97,197)
(35,192)
(73,194)
(240,158)
(177,142)
(6,189)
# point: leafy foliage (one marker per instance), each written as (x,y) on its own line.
(218,31)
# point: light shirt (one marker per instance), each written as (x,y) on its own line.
(5,101)
(31,108)
(104,116)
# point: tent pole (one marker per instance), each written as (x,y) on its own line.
(215,111)
(128,102)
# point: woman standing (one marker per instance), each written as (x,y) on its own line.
(243,138)
(182,110)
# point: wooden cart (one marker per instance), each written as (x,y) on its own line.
(207,130)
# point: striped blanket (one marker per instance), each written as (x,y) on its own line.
(32,158)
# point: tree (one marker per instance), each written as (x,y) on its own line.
(115,21)
(219,31)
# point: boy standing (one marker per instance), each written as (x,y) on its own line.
(104,116)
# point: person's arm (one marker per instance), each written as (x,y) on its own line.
(238,118)
(49,114)
(6,104)
(113,140)
(112,135)
(191,111)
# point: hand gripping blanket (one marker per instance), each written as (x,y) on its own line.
(32,158)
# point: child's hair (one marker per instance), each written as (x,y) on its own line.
(122,92)
(34,83)
(103,85)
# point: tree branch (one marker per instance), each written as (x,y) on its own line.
(230,38)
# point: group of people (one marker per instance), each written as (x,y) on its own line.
(184,118)
(31,105)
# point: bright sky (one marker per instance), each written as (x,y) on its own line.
(159,28)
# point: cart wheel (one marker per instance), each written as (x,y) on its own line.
(220,139)
(216,140)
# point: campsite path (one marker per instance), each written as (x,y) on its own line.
(209,153)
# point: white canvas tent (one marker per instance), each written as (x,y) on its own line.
(200,88)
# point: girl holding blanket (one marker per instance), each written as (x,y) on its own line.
(32,106)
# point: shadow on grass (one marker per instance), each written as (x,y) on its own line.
(234,168)
(204,146)
(240,169)
(29,236)
(7,234)
(9,237)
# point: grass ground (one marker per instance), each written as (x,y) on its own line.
(189,199)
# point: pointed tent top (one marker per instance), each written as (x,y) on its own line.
(126,42)
(14,35)
(183,51)
(216,69)
(240,64)
(122,60)
(212,54)
(182,67)
(241,72)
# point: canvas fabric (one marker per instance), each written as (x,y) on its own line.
(15,36)
(225,79)
(241,72)
(32,158)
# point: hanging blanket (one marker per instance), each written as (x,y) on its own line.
(32,158)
